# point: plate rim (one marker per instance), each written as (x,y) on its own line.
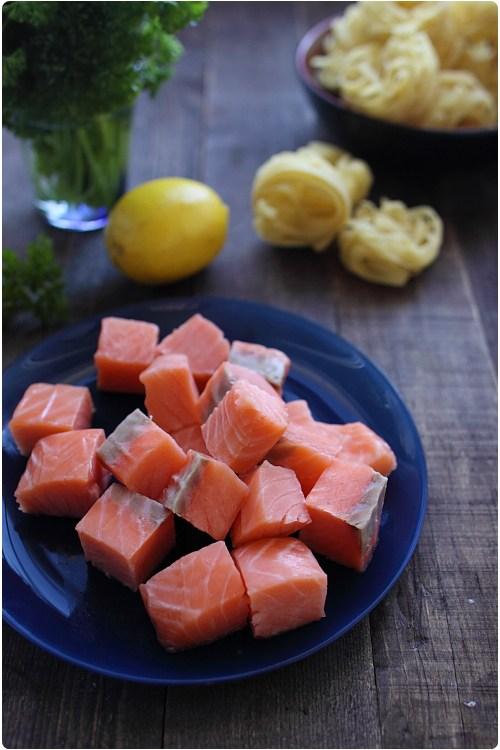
(196,300)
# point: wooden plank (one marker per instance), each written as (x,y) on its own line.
(307,705)
(50,704)
(41,692)
(475,226)
(433,639)
(427,635)
(310,704)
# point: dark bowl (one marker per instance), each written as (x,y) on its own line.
(369,136)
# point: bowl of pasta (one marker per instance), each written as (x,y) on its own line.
(406,79)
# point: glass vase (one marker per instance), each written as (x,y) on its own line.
(79,172)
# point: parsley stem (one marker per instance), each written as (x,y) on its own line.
(84,165)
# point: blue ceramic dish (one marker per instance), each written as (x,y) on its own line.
(381,139)
(53,598)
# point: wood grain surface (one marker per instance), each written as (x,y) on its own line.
(420,672)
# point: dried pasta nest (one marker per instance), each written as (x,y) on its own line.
(393,80)
(356,173)
(386,58)
(459,102)
(304,198)
(390,244)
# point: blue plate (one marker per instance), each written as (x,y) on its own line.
(53,598)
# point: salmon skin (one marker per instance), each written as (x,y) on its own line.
(284,582)
(202,342)
(345,506)
(171,393)
(272,364)
(125,348)
(46,409)
(244,426)
(63,476)
(275,506)
(223,379)
(197,599)
(207,493)
(126,535)
(141,455)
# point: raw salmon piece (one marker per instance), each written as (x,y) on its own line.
(141,455)
(126,535)
(207,493)
(284,583)
(190,438)
(244,426)
(223,379)
(299,412)
(275,506)
(360,444)
(345,506)
(202,342)
(171,393)
(63,476)
(125,348)
(306,450)
(197,599)
(272,364)
(46,409)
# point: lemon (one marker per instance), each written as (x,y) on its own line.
(166,229)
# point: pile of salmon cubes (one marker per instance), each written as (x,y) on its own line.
(220,449)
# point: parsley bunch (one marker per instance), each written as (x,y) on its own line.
(71,71)
(35,284)
(65,62)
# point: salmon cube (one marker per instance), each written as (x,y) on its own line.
(272,364)
(141,455)
(190,438)
(46,409)
(345,506)
(126,535)
(275,506)
(125,348)
(360,444)
(284,583)
(63,476)
(306,451)
(299,412)
(243,428)
(171,393)
(197,599)
(202,342)
(223,379)
(207,493)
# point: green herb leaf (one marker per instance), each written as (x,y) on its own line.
(65,62)
(35,284)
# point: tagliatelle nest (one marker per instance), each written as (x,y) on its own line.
(386,59)
(459,102)
(299,200)
(394,80)
(390,244)
(356,173)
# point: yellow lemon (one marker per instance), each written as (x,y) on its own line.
(166,229)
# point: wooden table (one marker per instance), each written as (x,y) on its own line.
(421,670)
